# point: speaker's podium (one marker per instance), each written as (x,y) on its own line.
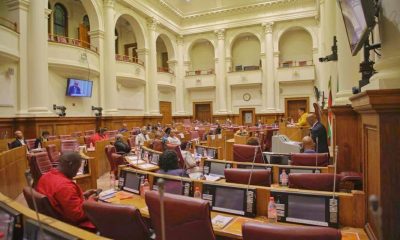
(293,132)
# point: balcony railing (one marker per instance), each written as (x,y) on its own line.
(72,42)
(124,58)
(245,68)
(8,24)
(200,72)
(165,69)
(289,64)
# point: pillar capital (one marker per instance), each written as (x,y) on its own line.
(17,4)
(109,3)
(153,24)
(47,13)
(179,40)
(220,34)
(96,34)
(268,27)
(142,51)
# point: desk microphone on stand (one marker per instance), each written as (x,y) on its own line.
(28,177)
(160,184)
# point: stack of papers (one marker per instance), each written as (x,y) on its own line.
(212,178)
(220,221)
(107,194)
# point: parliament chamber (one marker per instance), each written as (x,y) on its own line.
(199,119)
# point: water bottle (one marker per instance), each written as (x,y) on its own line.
(284,178)
(141,186)
(145,188)
(112,180)
(272,210)
(197,193)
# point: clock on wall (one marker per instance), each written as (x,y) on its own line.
(246,97)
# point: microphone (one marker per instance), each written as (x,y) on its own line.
(252,168)
(160,184)
(29,180)
(316,155)
(335,169)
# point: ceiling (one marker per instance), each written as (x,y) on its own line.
(188,7)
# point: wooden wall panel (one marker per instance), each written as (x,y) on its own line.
(13,164)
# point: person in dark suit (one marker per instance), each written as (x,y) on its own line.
(74,89)
(43,138)
(318,131)
(19,140)
(120,146)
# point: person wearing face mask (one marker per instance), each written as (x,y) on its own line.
(19,140)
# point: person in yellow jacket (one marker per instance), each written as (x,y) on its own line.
(303,117)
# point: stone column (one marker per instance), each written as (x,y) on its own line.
(97,39)
(154,104)
(18,11)
(221,72)
(143,54)
(228,66)
(110,81)
(180,79)
(38,69)
(268,68)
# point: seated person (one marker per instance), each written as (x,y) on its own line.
(241,132)
(308,145)
(167,132)
(142,137)
(168,163)
(218,130)
(100,135)
(173,139)
(302,117)
(42,139)
(124,128)
(254,141)
(259,123)
(64,194)
(120,146)
(19,140)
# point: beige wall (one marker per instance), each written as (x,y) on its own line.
(131,100)
(246,52)
(202,56)
(8,89)
(295,45)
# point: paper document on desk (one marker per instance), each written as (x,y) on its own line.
(212,178)
(137,162)
(147,166)
(195,175)
(220,221)
(107,194)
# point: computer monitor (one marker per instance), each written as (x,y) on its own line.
(10,223)
(174,186)
(79,88)
(216,168)
(234,200)
(130,181)
(307,209)
(211,152)
(32,232)
(155,158)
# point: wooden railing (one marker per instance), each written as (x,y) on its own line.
(124,58)
(72,41)
(8,24)
(200,72)
(289,64)
(165,69)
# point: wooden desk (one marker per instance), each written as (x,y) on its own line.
(239,139)
(294,133)
(229,149)
(13,164)
(234,228)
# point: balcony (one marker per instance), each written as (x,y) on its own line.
(130,72)
(248,77)
(165,79)
(9,40)
(68,55)
(301,71)
(200,79)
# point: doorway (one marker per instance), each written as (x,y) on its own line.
(202,111)
(166,112)
(247,116)
(293,104)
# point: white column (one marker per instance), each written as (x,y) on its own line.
(110,82)
(264,81)
(180,79)
(269,81)
(143,54)
(18,11)
(228,66)
(388,70)
(38,72)
(152,68)
(221,72)
(97,39)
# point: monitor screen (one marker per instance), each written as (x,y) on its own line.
(199,150)
(132,182)
(32,232)
(211,153)
(79,88)
(300,170)
(229,198)
(217,168)
(154,158)
(307,208)
(175,187)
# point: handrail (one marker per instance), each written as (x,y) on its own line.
(124,58)
(288,64)
(245,69)
(9,24)
(165,69)
(200,72)
(71,41)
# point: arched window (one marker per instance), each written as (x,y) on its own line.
(116,41)
(60,20)
(86,22)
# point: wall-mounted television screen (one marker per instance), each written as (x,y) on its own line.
(79,88)
(359,20)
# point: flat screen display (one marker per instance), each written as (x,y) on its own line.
(32,232)
(79,88)
(229,198)
(132,182)
(307,207)
(175,187)
(217,168)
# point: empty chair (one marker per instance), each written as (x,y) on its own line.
(259,177)
(158,145)
(354,179)
(179,225)
(114,159)
(119,222)
(30,143)
(313,181)
(177,149)
(131,141)
(69,145)
(39,164)
(87,139)
(89,132)
(245,153)
(310,159)
(42,203)
(262,231)
(76,134)
(111,134)
(54,154)
(65,137)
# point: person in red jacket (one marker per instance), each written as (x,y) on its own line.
(100,135)
(66,196)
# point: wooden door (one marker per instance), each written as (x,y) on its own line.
(202,112)
(166,112)
(247,116)
(83,35)
(293,105)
